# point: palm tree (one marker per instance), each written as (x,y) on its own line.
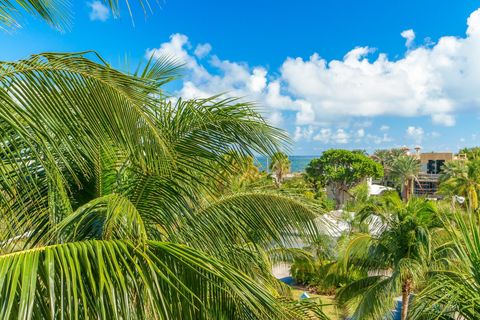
(394,257)
(453,290)
(105,209)
(405,171)
(106,212)
(386,157)
(463,179)
(279,166)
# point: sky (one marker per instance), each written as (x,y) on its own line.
(370,74)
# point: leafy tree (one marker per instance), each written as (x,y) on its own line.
(404,171)
(396,256)
(341,170)
(386,157)
(279,165)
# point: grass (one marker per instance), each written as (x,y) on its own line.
(330,308)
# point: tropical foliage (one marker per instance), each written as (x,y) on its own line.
(340,170)
(396,255)
(462,178)
(453,289)
(106,210)
(404,171)
(120,203)
(279,166)
(386,157)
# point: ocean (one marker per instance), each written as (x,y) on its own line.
(299,163)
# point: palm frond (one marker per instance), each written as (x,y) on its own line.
(56,13)
(116,279)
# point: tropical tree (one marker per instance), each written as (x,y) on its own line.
(395,257)
(386,157)
(463,179)
(340,170)
(471,153)
(105,209)
(405,171)
(279,165)
(453,290)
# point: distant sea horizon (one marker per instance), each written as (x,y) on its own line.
(299,163)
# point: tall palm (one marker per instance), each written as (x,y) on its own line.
(463,179)
(395,257)
(106,211)
(279,165)
(386,157)
(453,290)
(405,171)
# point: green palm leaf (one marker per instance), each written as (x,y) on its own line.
(115,279)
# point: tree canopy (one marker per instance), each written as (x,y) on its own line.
(341,170)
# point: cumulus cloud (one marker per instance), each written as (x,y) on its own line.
(323,135)
(445,119)
(202,50)
(98,11)
(326,136)
(436,80)
(303,133)
(409,36)
(385,138)
(415,133)
(275,119)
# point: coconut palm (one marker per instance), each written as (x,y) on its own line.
(279,166)
(404,170)
(453,290)
(106,211)
(386,157)
(395,256)
(463,179)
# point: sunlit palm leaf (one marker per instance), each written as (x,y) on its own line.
(115,279)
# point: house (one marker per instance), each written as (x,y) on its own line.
(431,163)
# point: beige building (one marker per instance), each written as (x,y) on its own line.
(431,168)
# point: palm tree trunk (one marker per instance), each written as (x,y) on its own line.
(405,191)
(405,299)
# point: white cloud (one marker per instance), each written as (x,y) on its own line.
(438,80)
(202,50)
(275,119)
(303,133)
(341,137)
(444,119)
(323,135)
(378,139)
(409,36)
(415,133)
(384,128)
(360,133)
(98,11)
(326,135)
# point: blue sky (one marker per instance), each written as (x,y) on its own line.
(334,74)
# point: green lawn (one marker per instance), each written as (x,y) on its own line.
(330,309)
